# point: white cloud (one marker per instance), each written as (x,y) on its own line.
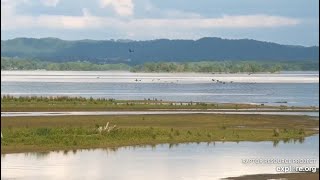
(15,21)
(50,2)
(89,21)
(168,13)
(173,24)
(180,14)
(8,8)
(121,7)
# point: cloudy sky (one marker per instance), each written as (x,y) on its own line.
(283,21)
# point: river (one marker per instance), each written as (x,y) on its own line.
(291,89)
(203,161)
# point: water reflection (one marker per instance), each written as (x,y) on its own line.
(173,145)
(42,155)
(289,140)
(37,155)
(208,160)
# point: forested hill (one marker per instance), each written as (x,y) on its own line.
(138,52)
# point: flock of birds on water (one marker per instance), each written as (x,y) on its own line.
(213,80)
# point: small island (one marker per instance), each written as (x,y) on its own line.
(68,132)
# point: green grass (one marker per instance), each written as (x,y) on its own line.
(23,134)
(9,103)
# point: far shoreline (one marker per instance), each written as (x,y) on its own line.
(155,77)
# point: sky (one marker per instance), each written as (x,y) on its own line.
(294,22)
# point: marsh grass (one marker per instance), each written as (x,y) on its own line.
(75,132)
(65,103)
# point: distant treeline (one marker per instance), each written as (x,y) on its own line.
(24,64)
(204,66)
(228,67)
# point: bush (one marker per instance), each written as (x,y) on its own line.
(154,136)
(276,132)
(177,133)
(301,131)
(43,131)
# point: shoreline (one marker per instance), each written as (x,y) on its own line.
(177,78)
(66,103)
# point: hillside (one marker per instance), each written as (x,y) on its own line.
(110,51)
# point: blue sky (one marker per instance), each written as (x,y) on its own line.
(293,22)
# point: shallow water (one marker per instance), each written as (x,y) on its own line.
(173,87)
(102,113)
(181,161)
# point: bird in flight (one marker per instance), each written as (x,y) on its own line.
(131,51)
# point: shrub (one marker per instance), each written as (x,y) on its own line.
(154,136)
(301,131)
(43,131)
(177,133)
(276,132)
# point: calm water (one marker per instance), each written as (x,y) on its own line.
(173,87)
(182,161)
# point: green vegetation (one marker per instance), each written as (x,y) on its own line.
(23,134)
(23,64)
(205,66)
(33,103)
(224,67)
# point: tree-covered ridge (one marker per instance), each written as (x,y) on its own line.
(111,51)
(203,66)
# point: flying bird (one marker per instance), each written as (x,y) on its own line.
(131,51)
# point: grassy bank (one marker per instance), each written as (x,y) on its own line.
(10,103)
(23,134)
